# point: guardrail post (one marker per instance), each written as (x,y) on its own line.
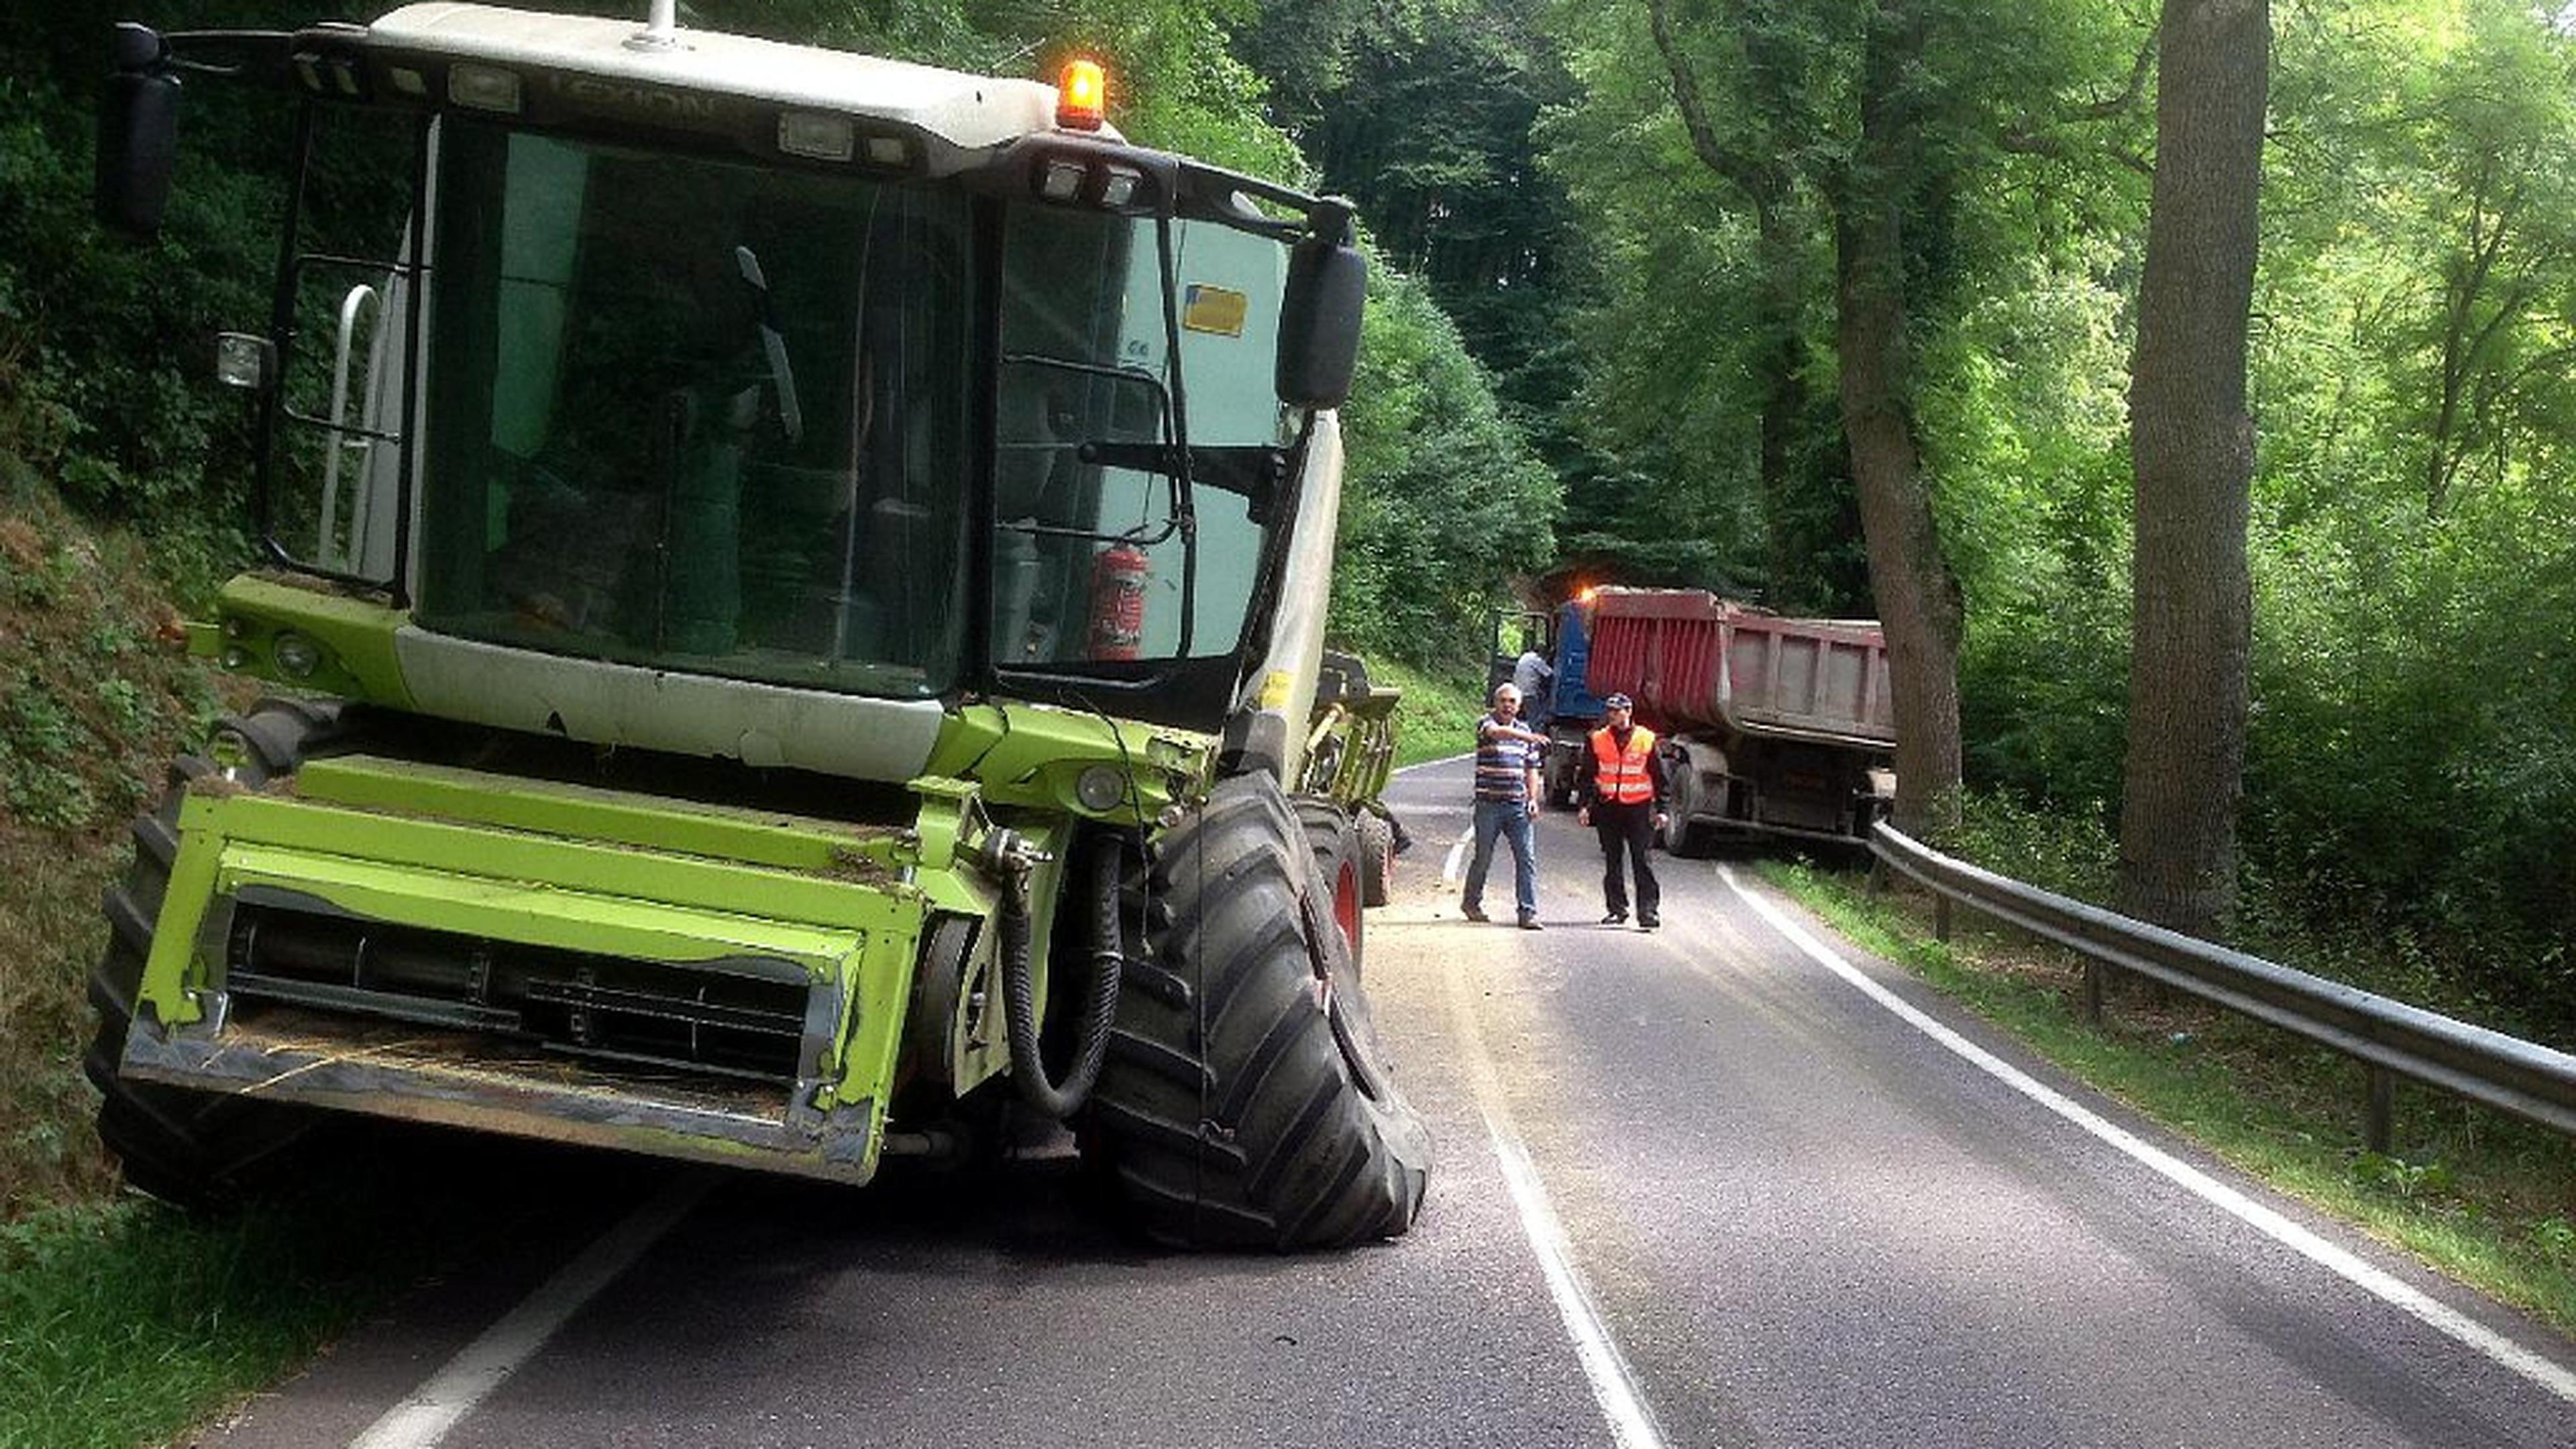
(1940,918)
(1877,877)
(2093,992)
(2375,1127)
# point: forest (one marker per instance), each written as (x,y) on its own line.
(1716,293)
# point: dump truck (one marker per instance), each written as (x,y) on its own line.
(795,585)
(1767,726)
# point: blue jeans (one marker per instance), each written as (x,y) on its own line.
(1511,820)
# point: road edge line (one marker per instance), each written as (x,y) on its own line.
(2343,1262)
(425,1415)
(1605,1368)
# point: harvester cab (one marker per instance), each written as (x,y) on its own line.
(796,577)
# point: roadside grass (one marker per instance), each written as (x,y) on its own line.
(125,1322)
(2483,1198)
(1438,716)
(122,1323)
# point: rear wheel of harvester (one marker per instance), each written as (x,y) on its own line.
(1246,1102)
(192,1148)
(1339,870)
(1377,857)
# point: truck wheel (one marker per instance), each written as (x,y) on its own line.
(1377,858)
(1557,778)
(1683,839)
(1335,841)
(194,1149)
(1246,1102)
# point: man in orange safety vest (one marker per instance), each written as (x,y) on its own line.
(1621,786)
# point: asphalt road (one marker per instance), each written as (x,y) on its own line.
(1716,1185)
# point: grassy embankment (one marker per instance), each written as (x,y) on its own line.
(121,1321)
(2478,1196)
(1438,716)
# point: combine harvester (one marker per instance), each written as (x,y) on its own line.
(798,586)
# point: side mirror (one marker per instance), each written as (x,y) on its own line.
(138,134)
(1319,318)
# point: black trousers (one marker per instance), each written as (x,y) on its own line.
(1628,829)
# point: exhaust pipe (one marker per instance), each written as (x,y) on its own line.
(662,31)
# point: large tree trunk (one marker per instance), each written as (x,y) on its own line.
(1918,597)
(2192,445)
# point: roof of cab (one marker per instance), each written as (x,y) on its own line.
(968,111)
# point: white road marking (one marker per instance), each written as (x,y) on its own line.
(1426,764)
(466,1380)
(2379,1284)
(1614,1385)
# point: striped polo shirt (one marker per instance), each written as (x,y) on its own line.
(1502,765)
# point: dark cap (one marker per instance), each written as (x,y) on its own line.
(1618,701)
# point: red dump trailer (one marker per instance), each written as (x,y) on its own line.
(1768,725)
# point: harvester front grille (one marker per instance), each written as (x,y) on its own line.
(711,1018)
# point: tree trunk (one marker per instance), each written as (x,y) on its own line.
(1918,597)
(2192,446)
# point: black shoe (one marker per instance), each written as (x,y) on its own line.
(1648,923)
(1530,923)
(1615,918)
(1473,913)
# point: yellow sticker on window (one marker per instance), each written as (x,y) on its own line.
(1276,685)
(1214,309)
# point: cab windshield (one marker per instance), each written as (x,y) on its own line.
(696,414)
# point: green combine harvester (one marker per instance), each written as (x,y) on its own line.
(798,586)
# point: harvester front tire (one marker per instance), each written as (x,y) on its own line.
(193,1149)
(1246,1102)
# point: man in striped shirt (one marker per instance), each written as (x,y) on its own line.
(1507,766)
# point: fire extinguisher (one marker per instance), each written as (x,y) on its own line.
(1118,575)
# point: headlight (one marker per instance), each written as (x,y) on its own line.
(1100,788)
(297,656)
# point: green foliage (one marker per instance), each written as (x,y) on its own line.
(1443,496)
(2067,850)
(2555,1237)
(2398,1176)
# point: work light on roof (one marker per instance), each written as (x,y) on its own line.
(483,87)
(1081,96)
(822,137)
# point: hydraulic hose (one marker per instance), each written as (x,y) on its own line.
(1099,1008)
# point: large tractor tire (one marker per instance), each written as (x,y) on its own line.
(1377,858)
(1246,1102)
(1340,871)
(194,1149)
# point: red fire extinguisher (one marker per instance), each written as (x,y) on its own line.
(1118,575)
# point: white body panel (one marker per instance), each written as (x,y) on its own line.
(688,714)
(1283,685)
(970,111)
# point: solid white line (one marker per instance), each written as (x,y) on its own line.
(1614,1385)
(2353,1269)
(1443,760)
(481,1366)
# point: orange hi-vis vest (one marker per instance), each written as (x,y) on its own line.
(1623,778)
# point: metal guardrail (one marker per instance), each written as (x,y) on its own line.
(2390,1038)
